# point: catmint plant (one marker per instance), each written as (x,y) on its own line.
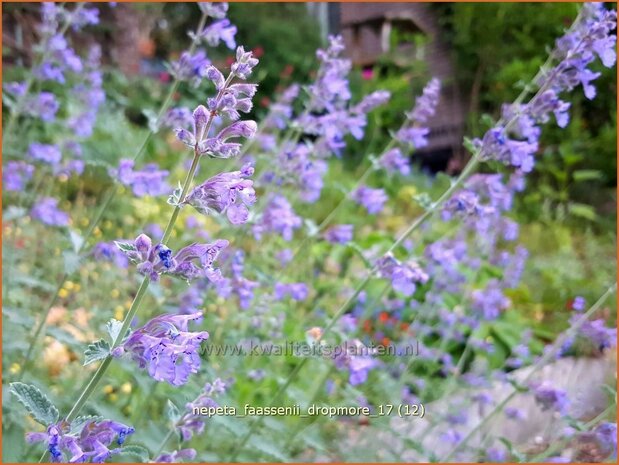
(165,343)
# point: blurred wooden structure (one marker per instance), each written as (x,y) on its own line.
(367,29)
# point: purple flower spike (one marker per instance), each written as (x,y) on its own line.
(278,217)
(355,357)
(394,161)
(426,104)
(46,153)
(550,398)
(91,444)
(296,291)
(244,64)
(148,181)
(415,137)
(404,276)
(372,199)
(230,192)
(340,234)
(167,348)
(191,262)
(16,175)
(216,10)
(46,211)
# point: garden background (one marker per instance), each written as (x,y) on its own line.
(64,280)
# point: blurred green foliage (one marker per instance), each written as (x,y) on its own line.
(497,50)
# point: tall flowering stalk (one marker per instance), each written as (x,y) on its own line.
(166,342)
(141,182)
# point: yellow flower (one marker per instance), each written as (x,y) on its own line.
(119,312)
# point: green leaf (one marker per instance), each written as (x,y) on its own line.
(135,451)
(78,424)
(12,213)
(113,329)
(424,200)
(76,240)
(71,261)
(175,197)
(583,211)
(587,175)
(98,350)
(312,227)
(269,448)
(125,247)
(37,403)
(172,412)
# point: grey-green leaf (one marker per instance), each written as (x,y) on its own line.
(78,424)
(173,413)
(113,328)
(71,261)
(38,405)
(134,450)
(125,247)
(98,350)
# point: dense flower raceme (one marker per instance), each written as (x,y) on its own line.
(150,180)
(228,193)
(16,175)
(340,234)
(550,398)
(46,211)
(404,276)
(296,291)
(328,117)
(194,66)
(237,284)
(592,36)
(166,347)
(189,263)
(191,424)
(91,444)
(357,359)
(278,217)
(222,145)
(372,199)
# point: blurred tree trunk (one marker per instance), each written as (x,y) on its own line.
(133,25)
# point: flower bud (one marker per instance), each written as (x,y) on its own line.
(143,244)
(244,105)
(185,137)
(200,118)
(245,129)
(216,77)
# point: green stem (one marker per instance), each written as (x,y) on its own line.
(135,305)
(555,348)
(319,388)
(164,441)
